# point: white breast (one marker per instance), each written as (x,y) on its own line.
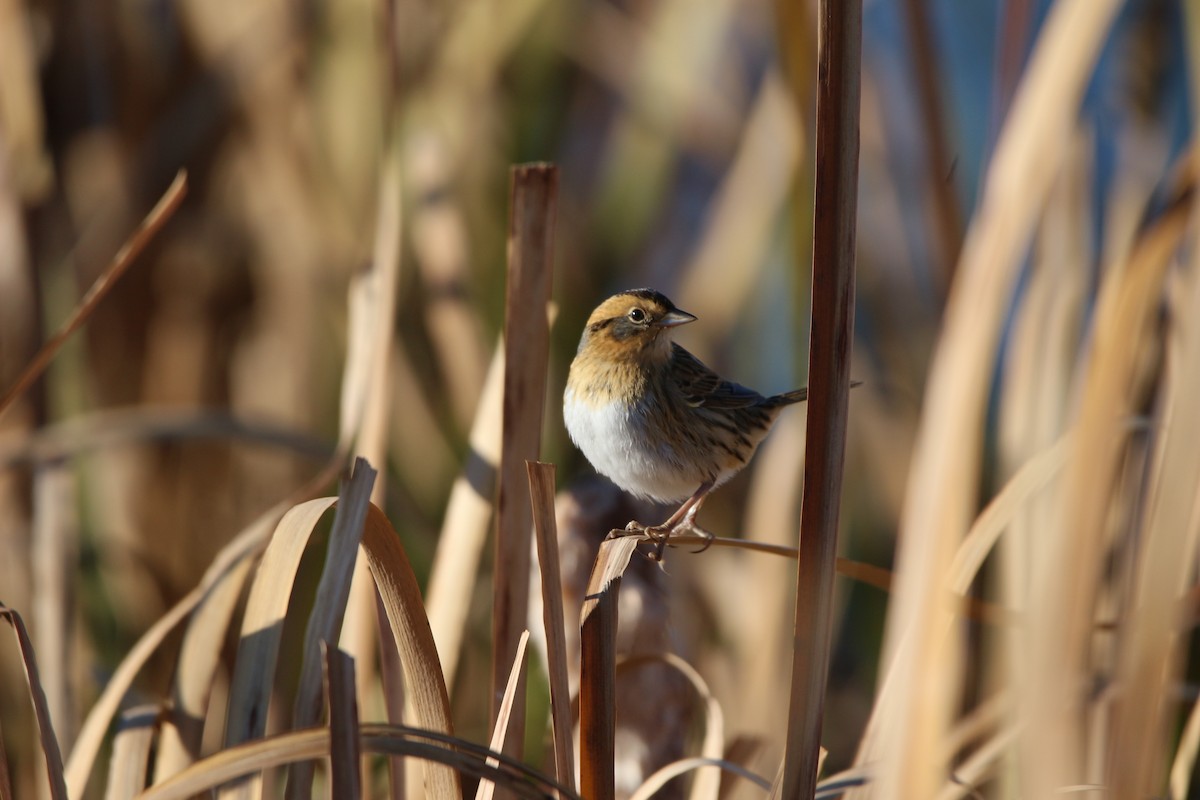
(611,437)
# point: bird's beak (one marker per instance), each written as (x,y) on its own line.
(676,317)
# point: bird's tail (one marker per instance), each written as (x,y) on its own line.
(797,396)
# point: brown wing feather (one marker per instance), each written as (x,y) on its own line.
(703,387)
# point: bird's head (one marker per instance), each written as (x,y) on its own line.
(633,324)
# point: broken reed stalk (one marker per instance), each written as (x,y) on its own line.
(838,54)
(345,755)
(541,495)
(526,347)
(598,668)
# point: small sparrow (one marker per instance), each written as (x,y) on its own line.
(652,418)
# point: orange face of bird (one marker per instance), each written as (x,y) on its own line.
(632,322)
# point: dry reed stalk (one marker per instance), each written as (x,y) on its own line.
(533,199)
(597,670)
(515,686)
(465,525)
(57,788)
(541,498)
(341,694)
(55,551)
(924,662)
(149,227)
(131,753)
(830,343)
(329,607)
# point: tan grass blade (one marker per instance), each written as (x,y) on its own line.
(55,553)
(345,778)
(516,677)
(401,598)
(541,496)
(455,754)
(329,608)
(532,208)
(41,712)
(163,210)
(262,623)
(465,527)
(1149,661)
(1060,643)
(182,729)
(244,547)
(131,753)
(946,461)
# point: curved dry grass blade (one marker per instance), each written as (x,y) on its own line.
(262,624)
(526,347)
(401,598)
(946,462)
(325,621)
(393,740)
(541,495)
(830,343)
(133,247)
(708,783)
(1061,644)
(345,778)
(83,756)
(183,725)
(685,765)
(516,680)
(1149,663)
(465,527)
(243,548)
(41,712)
(131,752)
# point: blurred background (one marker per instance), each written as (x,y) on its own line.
(206,387)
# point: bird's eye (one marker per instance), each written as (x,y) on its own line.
(637,315)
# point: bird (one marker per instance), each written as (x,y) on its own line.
(652,418)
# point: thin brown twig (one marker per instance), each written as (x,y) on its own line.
(133,247)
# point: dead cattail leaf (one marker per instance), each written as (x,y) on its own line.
(131,752)
(54,767)
(541,495)
(516,677)
(182,728)
(456,755)
(244,547)
(344,755)
(465,525)
(909,725)
(400,595)
(329,608)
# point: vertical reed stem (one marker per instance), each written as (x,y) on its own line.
(838,51)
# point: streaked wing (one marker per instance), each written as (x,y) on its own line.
(703,387)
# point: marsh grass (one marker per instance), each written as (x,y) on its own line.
(1034,627)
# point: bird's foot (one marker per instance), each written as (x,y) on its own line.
(655,533)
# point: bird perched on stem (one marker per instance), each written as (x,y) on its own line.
(655,420)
